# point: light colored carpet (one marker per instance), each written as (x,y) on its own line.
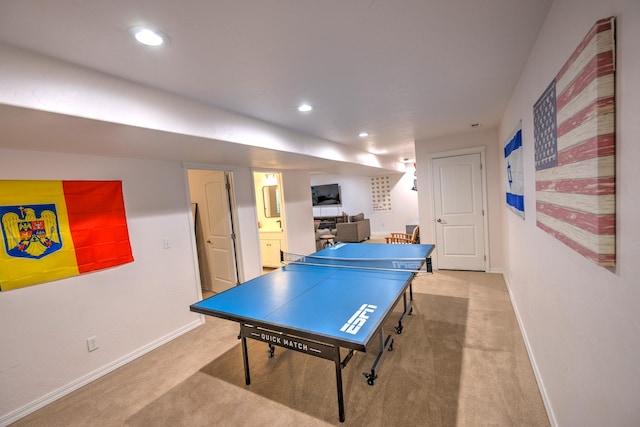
(460,361)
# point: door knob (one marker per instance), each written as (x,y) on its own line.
(439,220)
(209,241)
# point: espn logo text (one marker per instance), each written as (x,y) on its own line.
(358,319)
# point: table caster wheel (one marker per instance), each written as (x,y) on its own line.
(371,379)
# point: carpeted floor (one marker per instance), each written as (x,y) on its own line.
(460,361)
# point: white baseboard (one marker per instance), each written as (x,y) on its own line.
(532,359)
(48,398)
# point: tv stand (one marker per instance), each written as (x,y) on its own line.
(330,221)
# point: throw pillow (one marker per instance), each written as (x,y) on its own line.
(356,218)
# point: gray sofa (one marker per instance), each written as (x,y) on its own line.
(356,230)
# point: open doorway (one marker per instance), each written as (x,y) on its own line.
(212,200)
(271,218)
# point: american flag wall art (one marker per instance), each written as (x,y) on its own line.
(574,140)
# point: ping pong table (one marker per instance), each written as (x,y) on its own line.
(336,298)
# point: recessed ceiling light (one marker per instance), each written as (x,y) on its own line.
(305,107)
(363,134)
(148,37)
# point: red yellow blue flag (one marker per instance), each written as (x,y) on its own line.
(56,229)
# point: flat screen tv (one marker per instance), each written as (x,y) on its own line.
(326,195)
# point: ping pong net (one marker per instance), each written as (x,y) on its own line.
(412,265)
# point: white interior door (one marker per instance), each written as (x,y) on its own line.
(459,215)
(218,234)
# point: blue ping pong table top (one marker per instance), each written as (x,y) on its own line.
(317,301)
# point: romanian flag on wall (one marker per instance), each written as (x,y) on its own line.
(56,229)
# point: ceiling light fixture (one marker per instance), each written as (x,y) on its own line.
(305,108)
(363,134)
(148,37)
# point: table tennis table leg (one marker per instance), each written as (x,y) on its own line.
(245,357)
(408,308)
(338,363)
(385,345)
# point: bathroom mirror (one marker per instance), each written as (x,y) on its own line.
(271,200)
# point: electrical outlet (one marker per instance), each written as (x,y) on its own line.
(92,343)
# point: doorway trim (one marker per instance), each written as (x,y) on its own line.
(460,152)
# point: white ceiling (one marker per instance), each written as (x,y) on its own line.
(403,70)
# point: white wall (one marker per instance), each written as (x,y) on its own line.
(488,139)
(581,321)
(298,212)
(129,309)
(356,198)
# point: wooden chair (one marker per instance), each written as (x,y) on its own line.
(404,238)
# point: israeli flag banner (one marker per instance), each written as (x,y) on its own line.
(514,172)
